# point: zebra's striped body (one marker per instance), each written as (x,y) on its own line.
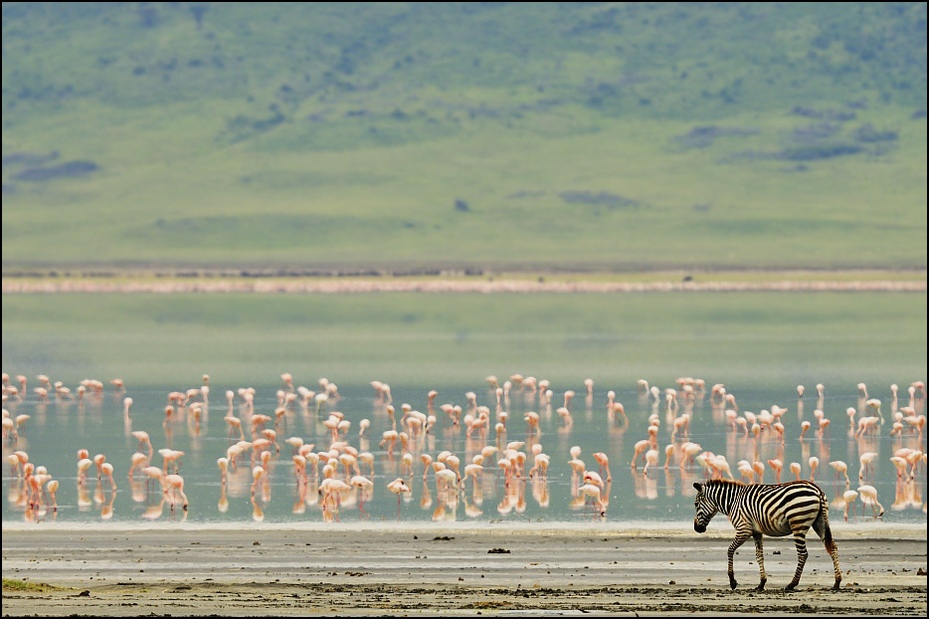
(756,510)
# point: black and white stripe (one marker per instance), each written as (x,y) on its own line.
(756,510)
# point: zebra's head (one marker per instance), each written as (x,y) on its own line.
(705,508)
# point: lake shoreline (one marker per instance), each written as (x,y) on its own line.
(482,286)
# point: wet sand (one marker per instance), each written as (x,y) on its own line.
(462,569)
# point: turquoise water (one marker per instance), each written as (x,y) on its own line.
(57,428)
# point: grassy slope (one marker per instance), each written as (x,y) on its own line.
(339,134)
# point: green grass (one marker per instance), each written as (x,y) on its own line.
(420,339)
(609,137)
(683,209)
(11,584)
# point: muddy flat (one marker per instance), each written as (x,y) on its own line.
(404,569)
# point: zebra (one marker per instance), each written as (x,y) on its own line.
(777,510)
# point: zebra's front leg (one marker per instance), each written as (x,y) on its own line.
(738,541)
(802,554)
(759,556)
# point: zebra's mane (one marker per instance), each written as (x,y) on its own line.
(724,482)
(736,482)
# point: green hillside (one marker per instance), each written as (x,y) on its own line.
(587,136)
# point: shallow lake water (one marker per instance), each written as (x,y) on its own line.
(756,426)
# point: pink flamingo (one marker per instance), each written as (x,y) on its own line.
(173,486)
(592,494)
(758,468)
(849,497)
(814,463)
(840,469)
(83,465)
(398,486)
(365,486)
(144,441)
(651,460)
(139,461)
(639,449)
(170,457)
(51,488)
(866,461)
(868,496)
(777,465)
(603,461)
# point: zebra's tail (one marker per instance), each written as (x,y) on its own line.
(821,526)
(822,521)
(827,532)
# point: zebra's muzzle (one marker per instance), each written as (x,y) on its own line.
(699,528)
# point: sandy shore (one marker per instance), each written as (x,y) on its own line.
(465,569)
(347,285)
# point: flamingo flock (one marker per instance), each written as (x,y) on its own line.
(338,462)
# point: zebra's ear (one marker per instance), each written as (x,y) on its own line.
(698,486)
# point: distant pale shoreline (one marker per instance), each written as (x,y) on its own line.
(344,286)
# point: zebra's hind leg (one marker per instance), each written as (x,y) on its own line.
(821,526)
(833,551)
(802,554)
(759,556)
